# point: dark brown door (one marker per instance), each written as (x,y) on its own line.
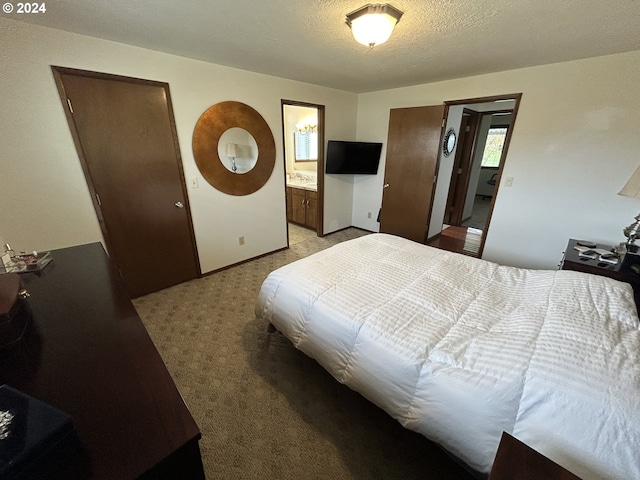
(125,136)
(461,169)
(412,156)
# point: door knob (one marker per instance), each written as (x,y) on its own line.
(179,204)
(386,185)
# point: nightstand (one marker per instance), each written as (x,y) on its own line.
(572,261)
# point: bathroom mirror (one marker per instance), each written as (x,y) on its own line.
(233,128)
(305,146)
(238,150)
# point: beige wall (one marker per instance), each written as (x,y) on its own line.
(575,143)
(44,200)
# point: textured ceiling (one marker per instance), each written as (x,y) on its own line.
(309,40)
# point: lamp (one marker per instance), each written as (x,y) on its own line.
(232,153)
(632,189)
(372,24)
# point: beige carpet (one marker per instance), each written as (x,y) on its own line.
(265,410)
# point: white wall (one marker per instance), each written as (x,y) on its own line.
(575,143)
(44,200)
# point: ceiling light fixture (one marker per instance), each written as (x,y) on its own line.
(372,24)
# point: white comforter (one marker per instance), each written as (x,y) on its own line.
(460,349)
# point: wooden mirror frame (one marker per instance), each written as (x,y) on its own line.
(216,120)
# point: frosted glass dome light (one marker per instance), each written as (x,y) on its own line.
(373,24)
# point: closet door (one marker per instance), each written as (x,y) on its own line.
(413,145)
(125,136)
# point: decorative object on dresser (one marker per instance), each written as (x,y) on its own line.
(87,353)
(12,262)
(35,437)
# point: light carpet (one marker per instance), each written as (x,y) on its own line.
(265,410)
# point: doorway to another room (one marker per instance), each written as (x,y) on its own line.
(484,129)
(303,139)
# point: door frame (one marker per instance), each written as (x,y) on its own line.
(58,72)
(319,164)
(516,97)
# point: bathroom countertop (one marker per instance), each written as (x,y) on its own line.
(305,185)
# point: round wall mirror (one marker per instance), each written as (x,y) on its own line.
(238,150)
(449,142)
(232,134)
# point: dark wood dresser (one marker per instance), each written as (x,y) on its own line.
(517,461)
(87,353)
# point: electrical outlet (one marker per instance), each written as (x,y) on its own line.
(369,215)
(194,182)
(241,240)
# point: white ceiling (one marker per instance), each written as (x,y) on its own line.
(309,40)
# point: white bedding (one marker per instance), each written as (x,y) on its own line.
(461,349)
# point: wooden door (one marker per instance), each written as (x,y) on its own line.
(413,145)
(125,136)
(461,168)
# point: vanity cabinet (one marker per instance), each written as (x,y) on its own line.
(302,207)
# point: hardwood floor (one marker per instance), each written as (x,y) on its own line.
(463,240)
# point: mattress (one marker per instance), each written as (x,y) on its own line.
(461,349)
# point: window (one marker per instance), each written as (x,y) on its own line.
(493,147)
(306,146)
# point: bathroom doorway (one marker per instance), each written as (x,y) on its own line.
(303,141)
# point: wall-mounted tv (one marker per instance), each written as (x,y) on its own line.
(353,157)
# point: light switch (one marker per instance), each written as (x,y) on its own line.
(508,182)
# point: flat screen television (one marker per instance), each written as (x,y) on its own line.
(353,157)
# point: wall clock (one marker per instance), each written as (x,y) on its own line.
(449,142)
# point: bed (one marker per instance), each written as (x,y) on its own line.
(461,349)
